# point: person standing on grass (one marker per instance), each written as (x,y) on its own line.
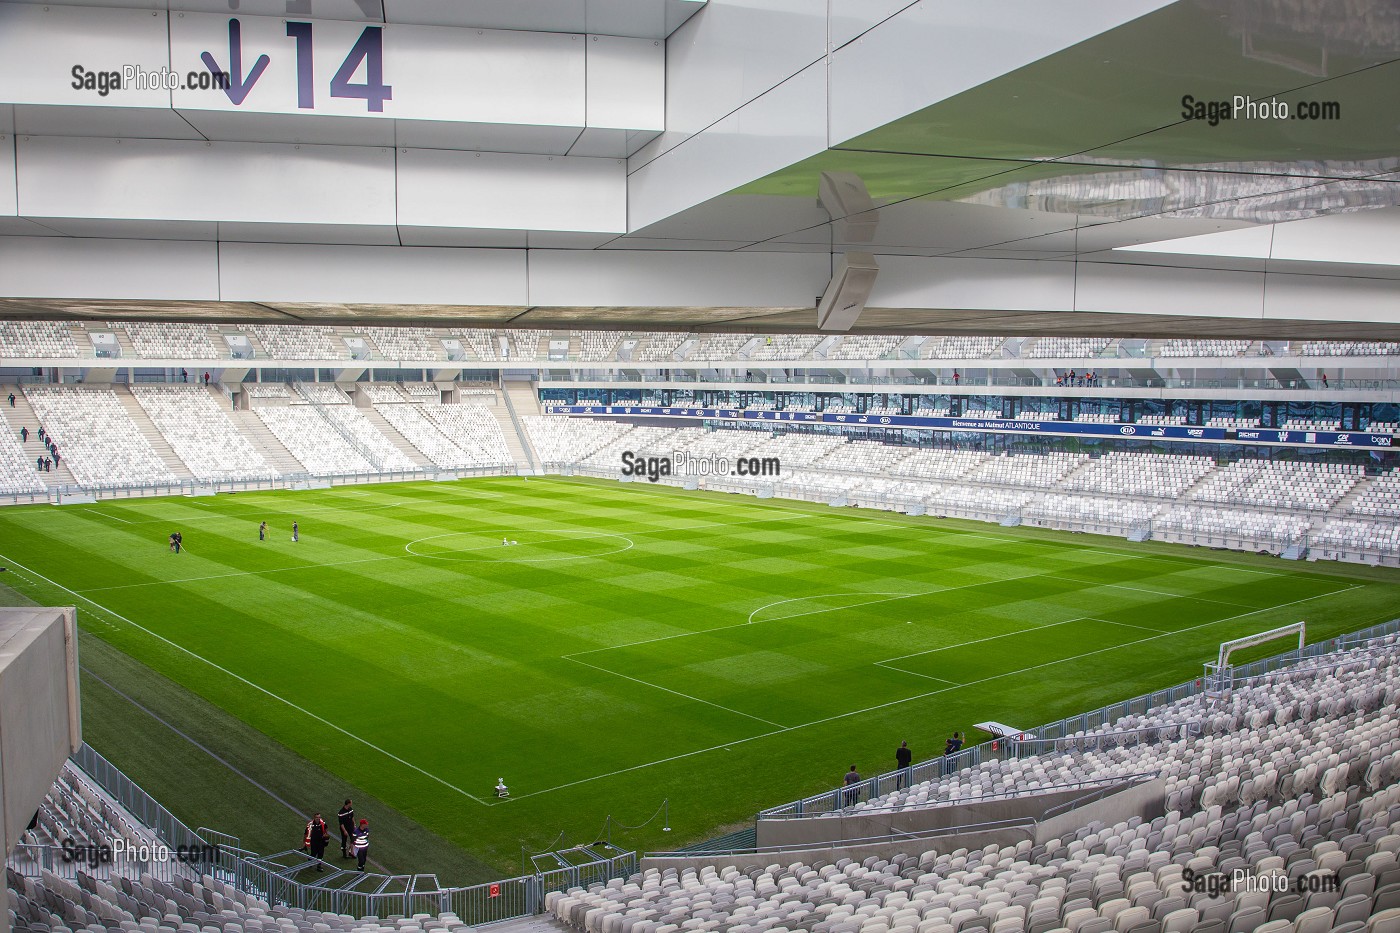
(903,758)
(296,532)
(318,834)
(362,844)
(346,817)
(262,532)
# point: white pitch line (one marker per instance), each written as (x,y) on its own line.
(112,517)
(887,597)
(900,670)
(1143,628)
(1139,589)
(260,689)
(647,683)
(921,696)
(978,641)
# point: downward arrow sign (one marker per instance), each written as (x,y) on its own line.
(238,88)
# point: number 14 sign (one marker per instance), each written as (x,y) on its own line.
(349,69)
(282,65)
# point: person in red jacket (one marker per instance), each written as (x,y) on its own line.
(318,834)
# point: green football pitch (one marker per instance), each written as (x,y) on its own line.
(632,644)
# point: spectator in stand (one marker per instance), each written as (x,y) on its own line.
(1071,377)
(184,375)
(48,465)
(39,464)
(206,379)
(12,400)
(55,459)
(852,792)
(953,745)
(957,377)
(24,435)
(1323,375)
(903,758)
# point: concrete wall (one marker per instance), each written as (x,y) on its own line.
(1008,836)
(866,825)
(40,719)
(1146,800)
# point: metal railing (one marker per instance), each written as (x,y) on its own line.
(834,802)
(68,491)
(935,768)
(278,879)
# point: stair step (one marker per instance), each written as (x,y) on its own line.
(398,440)
(273,450)
(151,433)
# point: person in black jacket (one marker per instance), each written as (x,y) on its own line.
(346,817)
(903,759)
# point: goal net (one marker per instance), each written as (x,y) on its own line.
(1219,676)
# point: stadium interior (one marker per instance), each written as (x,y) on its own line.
(645,452)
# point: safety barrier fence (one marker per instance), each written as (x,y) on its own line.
(935,768)
(69,493)
(291,879)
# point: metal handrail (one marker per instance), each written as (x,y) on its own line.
(266,878)
(1134,706)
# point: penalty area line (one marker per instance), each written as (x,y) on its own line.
(260,689)
(646,683)
(922,696)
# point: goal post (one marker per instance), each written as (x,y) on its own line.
(1218,679)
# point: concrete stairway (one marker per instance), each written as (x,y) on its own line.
(524,400)
(151,433)
(397,439)
(1185,497)
(23,416)
(516,443)
(1343,507)
(266,442)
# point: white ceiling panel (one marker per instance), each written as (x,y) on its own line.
(136,229)
(461,236)
(129,122)
(352,235)
(486,137)
(290,128)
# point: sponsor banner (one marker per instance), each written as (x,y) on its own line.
(1174,432)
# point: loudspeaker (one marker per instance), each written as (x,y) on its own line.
(844,299)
